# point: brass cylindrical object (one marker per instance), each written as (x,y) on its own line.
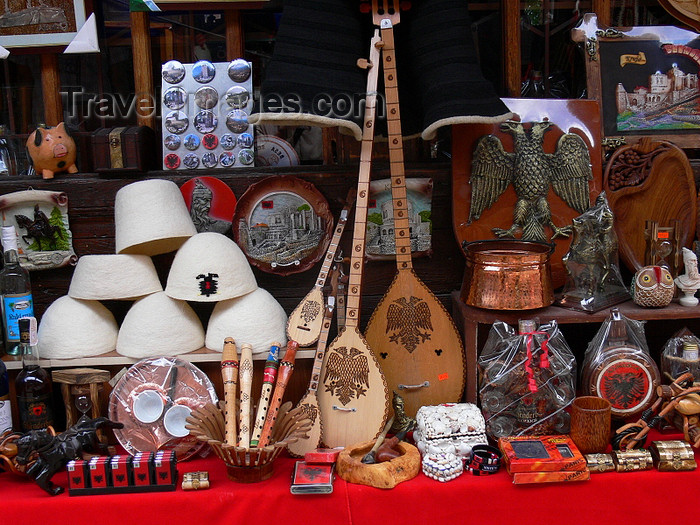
(674,455)
(599,462)
(630,460)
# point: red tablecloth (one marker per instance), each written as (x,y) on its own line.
(616,498)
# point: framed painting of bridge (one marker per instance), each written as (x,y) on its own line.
(645,79)
(31,23)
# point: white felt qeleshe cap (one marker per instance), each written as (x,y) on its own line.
(150,218)
(159,325)
(256,318)
(114,277)
(209,267)
(75,328)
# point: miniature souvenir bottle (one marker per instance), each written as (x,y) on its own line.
(16,290)
(5,407)
(33,384)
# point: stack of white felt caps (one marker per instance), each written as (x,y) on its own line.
(151,218)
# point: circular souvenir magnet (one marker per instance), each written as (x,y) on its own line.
(175,98)
(173,71)
(245,140)
(209,160)
(237,97)
(227,159)
(206,97)
(237,121)
(246,157)
(191,161)
(191,141)
(203,71)
(211,203)
(172,161)
(239,70)
(227,141)
(176,122)
(205,121)
(172,142)
(283,224)
(210,141)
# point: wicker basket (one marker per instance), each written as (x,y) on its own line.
(248,465)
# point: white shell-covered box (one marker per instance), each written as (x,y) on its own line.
(450,428)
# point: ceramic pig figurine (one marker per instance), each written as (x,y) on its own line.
(52,150)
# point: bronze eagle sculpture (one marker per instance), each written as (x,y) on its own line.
(531,171)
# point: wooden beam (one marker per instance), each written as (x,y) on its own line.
(51,87)
(235,42)
(603,9)
(510,23)
(143,69)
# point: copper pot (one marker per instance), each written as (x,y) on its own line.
(507,274)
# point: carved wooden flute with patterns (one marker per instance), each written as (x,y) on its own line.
(285,372)
(229,373)
(269,375)
(245,379)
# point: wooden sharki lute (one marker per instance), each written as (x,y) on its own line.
(354,400)
(410,332)
(309,403)
(304,323)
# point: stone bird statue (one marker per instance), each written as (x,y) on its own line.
(531,171)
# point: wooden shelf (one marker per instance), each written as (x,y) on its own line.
(203,355)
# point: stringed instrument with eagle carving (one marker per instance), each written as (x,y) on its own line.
(410,332)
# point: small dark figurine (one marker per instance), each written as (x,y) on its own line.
(39,229)
(54,452)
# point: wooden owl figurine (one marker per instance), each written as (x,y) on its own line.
(653,287)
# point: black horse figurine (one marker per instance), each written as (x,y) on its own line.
(52,453)
(38,229)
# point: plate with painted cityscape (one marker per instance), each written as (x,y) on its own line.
(380,244)
(645,78)
(283,225)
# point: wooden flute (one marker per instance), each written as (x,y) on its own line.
(245,379)
(229,373)
(285,372)
(269,375)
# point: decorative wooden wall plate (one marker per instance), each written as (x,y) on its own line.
(211,203)
(568,116)
(649,180)
(40,218)
(283,225)
(687,11)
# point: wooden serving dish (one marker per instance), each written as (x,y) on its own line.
(379,475)
(247,465)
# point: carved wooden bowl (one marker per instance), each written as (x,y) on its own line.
(248,465)
(379,475)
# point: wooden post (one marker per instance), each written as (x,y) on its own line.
(51,86)
(510,17)
(235,44)
(603,9)
(143,69)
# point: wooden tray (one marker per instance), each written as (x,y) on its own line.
(657,184)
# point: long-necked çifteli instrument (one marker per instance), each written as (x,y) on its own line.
(354,400)
(304,323)
(309,403)
(285,372)
(269,375)
(229,374)
(245,380)
(410,332)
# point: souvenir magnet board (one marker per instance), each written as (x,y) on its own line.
(211,204)
(205,108)
(283,225)
(570,117)
(40,218)
(380,218)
